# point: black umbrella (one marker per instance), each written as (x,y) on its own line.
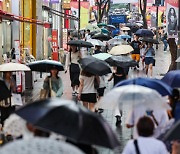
(150,40)
(173,133)
(94,66)
(144,33)
(5,92)
(66,118)
(80,43)
(102,37)
(45,65)
(121,61)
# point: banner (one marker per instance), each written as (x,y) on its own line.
(55,40)
(84,13)
(172,18)
(65,39)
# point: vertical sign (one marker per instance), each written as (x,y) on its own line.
(18,74)
(55,44)
(65,38)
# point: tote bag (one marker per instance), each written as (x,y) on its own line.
(16,99)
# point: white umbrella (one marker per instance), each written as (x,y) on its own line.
(115,41)
(39,146)
(96,42)
(125,28)
(121,49)
(12,67)
(134,96)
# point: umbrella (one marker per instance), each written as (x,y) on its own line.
(121,49)
(101,24)
(37,145)
(172,78)
(96,42)
(125,28)
(102,56)
(80,43)
(155,84)
(134,96)
(94,66)
(67,118)
(144,33)
(92,27)
(122,37)
(101,37)
(121,61)
(173,134)
(178,60)
(105,31)
(45,65)
(139,24)
(150,40)
(5,92)
(11,67)
(115,41)
(111,26)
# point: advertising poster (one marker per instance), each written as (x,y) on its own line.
(84,13)
(172,18)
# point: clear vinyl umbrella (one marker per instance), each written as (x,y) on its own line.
(121,49)
(134,96)
(38,145)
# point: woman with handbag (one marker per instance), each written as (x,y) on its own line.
(87,92)
(53,84)
(7,109)
(149,58)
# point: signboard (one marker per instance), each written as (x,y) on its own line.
(172,18)
(124,1)
(51,1)
(55,45)
(65,38)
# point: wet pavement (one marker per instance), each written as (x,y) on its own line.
(123,134)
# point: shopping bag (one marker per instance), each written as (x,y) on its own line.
(16,99)
(44,94)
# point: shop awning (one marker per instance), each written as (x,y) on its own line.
(12,17)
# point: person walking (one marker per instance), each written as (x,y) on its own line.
(72,63)
(136,45)
(11,85)
(149,58)
(145,143)
(87,92)
(165,42)
(54,84)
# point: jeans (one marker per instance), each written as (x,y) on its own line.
(165,45)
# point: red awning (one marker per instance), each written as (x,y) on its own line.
(9,16)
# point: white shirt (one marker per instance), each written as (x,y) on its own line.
(147,145)
(138,112)
(102,82)
(74,58)
(88,84)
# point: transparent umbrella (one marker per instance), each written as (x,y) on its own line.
(39,146)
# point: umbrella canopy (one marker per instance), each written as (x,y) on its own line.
(5,92)
(94,66)
(80,43)
(102,56)
(39,145)
(133,96)
(105,31)
(172,78)
(101,37)
(178,60)
(121,49)
(155,84)
(92,27)
(125,28)
(12,67)
(121,61)
(173,134)
(111,26)
(45,65)
(150,40)
(115,41)
(67,118)
(144,33)
(96,42)
(101,24)
(122,37)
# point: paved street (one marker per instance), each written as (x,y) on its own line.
(162,64)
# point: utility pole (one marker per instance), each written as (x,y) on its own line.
(178,46)
(79,18)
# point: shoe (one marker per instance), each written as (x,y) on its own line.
(100,110)
(73,93)
(118,120)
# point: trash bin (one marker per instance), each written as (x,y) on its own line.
(28,80)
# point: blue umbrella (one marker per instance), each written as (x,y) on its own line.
(122,37)
(144,33)
(155,84)
(172,78)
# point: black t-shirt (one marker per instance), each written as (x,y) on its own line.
(135,45)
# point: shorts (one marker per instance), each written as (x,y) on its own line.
(149,60)
(135,57)
(101,91)
(89,97)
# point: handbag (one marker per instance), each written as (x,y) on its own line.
(154,62)
(52,92)
(44,94)
(16,99)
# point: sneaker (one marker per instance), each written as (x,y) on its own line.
(73,93)
(118,120)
